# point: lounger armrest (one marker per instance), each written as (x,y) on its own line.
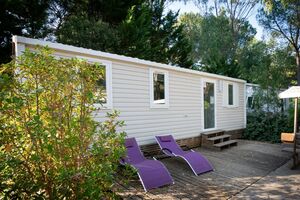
(168,150)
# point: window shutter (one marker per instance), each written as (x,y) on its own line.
(236,95)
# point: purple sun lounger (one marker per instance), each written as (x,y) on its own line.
(198,163)
(152,173)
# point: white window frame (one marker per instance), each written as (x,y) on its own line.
(235,95)
(108,79)
(155,104)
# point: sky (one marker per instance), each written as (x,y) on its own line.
(190,7)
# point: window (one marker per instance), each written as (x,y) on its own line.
(159,89)
(230,94)
(250,103)
(103,96)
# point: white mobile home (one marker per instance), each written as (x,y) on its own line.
(254,90)
(155,99)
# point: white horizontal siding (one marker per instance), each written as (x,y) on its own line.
(183,118)
(131,97)
(230,118)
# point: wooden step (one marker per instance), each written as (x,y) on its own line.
(219,137)
(213,133)
(226,144)
(209,142)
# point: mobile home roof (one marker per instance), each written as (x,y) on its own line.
(69,48)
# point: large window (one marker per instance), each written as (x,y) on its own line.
(159,89)
(103,96)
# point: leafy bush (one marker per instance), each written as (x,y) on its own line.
(267,126)
(266,99)
(50,146)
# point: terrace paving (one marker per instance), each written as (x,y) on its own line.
(251,170)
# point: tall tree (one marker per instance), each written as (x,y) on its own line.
(21,17)
(283,18)
(214,48)
(192,29)
(223,32)
(237,12)
(167,42)
(268,64)
(147,32)
(109,11)
(88,33)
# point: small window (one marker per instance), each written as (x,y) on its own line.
(250,102)
(159,89)
(230,94)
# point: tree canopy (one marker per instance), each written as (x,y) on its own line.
(215,50)
(21,17)
(139,28)
(223,42)
(219,39)
(282,19)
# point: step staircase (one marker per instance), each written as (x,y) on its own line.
(217,139)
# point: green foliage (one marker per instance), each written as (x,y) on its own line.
(192,27)
(50,146)
(88,33)
(281,14)
(256,61)
(150,33)
(146,32)
(266,99)
(215,48)
(44,18)
(282,19)
(21,17)
(267,126)
(268,65)
(218,41)
(112,12)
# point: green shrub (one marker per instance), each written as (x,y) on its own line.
(50,146)
(267,126)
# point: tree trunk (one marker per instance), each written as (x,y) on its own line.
(298,67)
(298,73)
